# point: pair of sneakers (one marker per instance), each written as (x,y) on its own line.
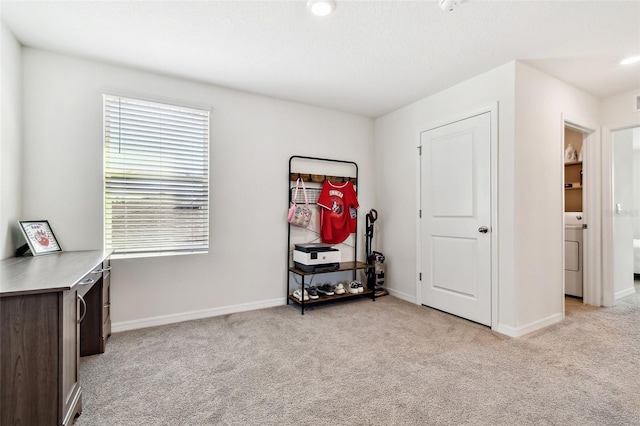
(313,292)
(331,289)
(309,293)
(327,289)
(300,295)
(355,287)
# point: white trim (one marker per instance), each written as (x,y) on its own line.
(418,299)
(592,213)
(495,229)
(529,328)
(117,327)
(493,111)
(400,295)
(608,289)
(608,297)
(625,293)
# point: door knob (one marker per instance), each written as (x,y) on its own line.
(483,229)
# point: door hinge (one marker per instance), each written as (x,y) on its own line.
(420,213)
(420,276)
(419,150)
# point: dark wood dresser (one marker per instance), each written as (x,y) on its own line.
(53,309)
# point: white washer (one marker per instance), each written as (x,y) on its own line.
(573,263)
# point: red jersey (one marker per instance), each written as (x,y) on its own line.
(338,217)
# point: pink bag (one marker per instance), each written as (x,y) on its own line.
(300,215)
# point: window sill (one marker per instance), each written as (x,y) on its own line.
(155,254)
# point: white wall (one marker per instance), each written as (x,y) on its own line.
(618,110)
(397,138)
(10,143)
(541,102)
(622,153)
(252,138)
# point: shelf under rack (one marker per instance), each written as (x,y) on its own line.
(344,266)
(325,299)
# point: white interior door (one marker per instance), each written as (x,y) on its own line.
(455,173)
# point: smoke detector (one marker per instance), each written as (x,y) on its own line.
(449,5)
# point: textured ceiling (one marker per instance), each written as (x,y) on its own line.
(368,57)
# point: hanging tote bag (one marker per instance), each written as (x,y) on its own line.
(300,215)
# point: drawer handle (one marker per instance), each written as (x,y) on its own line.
(87,281)
(81,299)
(107,305)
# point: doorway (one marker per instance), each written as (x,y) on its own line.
(625,190)
(611,212)
(581,206)
(574,213)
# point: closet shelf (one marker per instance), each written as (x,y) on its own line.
(575,185)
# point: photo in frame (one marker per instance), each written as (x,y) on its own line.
(39,236)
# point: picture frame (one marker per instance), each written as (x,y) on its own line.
(39,236)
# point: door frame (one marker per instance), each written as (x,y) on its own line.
(608,288)
(493,111)
(591,210)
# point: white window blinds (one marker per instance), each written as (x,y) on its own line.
(156,177)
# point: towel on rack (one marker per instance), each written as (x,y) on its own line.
(338,217)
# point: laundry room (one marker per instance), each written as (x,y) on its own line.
(573,211)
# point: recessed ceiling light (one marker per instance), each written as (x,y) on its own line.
(321,7)
(631,60)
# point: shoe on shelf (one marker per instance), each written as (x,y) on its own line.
(299,295)
(339,289)
(360,287)
(313,292)
(353,287)
(326,289)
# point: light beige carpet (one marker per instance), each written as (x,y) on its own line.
(387,362)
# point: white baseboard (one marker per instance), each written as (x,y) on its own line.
(401,295)
(620,294)
(529,328)
(117,327)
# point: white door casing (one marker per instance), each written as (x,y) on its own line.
(455,192)
(591,209)
(622,212)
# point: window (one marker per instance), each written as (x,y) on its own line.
(156,188)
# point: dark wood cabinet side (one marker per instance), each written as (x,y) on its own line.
(95,328)
(29,359)
(106,303)
(91,325)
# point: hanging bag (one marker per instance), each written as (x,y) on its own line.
(300,215)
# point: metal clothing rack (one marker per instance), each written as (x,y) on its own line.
(344,266)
